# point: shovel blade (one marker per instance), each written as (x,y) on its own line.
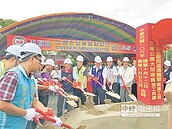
(73,98)
(115,95)
(132,97)
(72,103)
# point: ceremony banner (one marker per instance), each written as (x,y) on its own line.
(52,44)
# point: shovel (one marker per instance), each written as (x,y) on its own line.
(133,97)
(115,95)
(76,85)
(49,118)
(59,90)
(71,98)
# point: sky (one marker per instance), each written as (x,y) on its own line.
(131,12)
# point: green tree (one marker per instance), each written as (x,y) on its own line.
(168,54)
(6,22)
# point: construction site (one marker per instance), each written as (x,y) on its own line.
(108,116)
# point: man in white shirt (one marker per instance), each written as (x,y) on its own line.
(110,74)
(128,76)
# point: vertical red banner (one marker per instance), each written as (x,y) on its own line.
(149,67)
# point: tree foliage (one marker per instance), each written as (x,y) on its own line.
(6,22)
(168,54)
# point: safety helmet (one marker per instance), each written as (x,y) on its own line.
(67,61)
(125,59)
(13,50)
(167,63)
(80,58)
(98,59)
(109,58)
(31,48)
(50,62)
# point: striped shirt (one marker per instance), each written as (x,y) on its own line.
(8,85)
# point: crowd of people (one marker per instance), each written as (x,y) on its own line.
(20,94)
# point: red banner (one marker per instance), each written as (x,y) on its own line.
(73,45)
(44,43)
(149,67)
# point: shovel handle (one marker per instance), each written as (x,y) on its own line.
(74,84)
(66,126)
(102,86)
(124,86)
(45,116)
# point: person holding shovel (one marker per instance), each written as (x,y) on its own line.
(82,73)
(68,73)
(98,83)
(109,75)
(46,74)
(127,74)
(18,99)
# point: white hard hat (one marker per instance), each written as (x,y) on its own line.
(125,59)
(167,63)
(109,58)
(80,58)
(50,62)
(13,50)
(98,59)
(31,48)
(67,61)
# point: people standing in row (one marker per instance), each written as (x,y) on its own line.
(66,72)
(127,74)
(97,89)
(82,73)
(110,76)
(11,59)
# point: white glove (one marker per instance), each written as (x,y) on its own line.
(51,88)
(56,88)
(110,87)
(58,121)
(55,81)
(104,87)
(64,78)
(31,113)
(44,79)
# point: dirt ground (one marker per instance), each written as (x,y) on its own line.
(108,116)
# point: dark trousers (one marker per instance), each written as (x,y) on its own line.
(44,100)
(100,95)
(80,94)
(62,105)
(134,89)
